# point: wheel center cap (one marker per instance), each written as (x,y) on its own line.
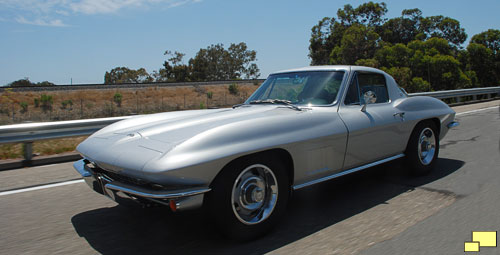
(258,195)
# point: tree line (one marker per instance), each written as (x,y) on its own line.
(421,53)
(27,83)
(210,64)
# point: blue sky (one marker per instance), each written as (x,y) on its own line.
(60,40)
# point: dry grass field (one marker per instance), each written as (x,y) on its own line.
(96,103)
(40,148)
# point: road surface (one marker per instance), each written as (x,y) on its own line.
(49,210)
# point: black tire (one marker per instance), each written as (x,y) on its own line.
(223,208)
(416,159)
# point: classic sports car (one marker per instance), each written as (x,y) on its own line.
(300,127)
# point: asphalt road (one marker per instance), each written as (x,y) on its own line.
(378,211)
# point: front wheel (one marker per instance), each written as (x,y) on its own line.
(423,148)
(248,197)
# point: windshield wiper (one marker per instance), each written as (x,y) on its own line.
(237,105)
(276,101)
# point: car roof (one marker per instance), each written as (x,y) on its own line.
(330,68)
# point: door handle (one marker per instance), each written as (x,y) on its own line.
(401,115)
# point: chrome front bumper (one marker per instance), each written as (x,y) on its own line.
(123,193)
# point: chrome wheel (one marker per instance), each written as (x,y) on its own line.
(426,146)
(254,194)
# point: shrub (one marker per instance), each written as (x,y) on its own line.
(117,98)
(46,102)
(234,89)
(24,107)
(210,94)
(66,103)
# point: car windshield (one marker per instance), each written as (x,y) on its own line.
(301,88)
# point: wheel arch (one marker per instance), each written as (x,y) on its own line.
(433,120)
(280,153)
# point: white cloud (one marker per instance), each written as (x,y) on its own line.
(41,22)
(52,12)
(179,3)
(103,6)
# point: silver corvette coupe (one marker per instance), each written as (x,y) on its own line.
(300,127)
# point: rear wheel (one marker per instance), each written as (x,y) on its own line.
(248,197)
(423,148)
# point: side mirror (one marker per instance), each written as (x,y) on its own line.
(363,108)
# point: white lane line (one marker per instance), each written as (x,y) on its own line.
(479,110)
(10,192)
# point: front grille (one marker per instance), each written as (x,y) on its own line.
(118,177)
(123,178)
(128,179)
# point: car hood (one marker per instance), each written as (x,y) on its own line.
(131,143)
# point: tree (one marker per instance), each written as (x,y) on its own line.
(45,84)
(126,75)
(174,69)
(421,53)
(483,57)
(21,83)
(403,29)
(444,27)
(327,35)
(369,14)
(217,63)
(490,39)
(358,42)
(210,64)
(323,40)
(27,83)
(480,59)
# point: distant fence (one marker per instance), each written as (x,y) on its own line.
(29,132)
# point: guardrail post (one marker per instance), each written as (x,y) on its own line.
(28,151)
(487,95)
(457,99)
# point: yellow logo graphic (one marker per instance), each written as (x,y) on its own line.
(481,239)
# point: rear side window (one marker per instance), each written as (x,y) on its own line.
(365,82)
(375,83)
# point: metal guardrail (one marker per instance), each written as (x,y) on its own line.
(459,93)
(27,133)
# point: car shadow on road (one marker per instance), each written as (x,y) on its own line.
(121,230)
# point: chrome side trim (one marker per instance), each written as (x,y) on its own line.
(453,124)
(117,186)
(359,168)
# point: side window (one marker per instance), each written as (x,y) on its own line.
(352,96)
(373,83)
